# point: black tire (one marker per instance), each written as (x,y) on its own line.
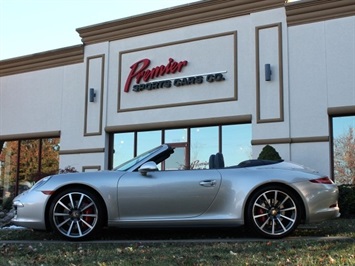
(273,212)
(76,214)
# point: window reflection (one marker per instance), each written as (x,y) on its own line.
(29,164)
(148,140)
(8,171)
(24,162)
(123,148)
(179,159)
(344,149)
(204,142)
(342,124)
(176,135)
(236,143)
(193,146)
(49,157)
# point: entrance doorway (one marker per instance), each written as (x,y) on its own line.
(179,160)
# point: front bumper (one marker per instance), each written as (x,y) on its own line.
(30,210)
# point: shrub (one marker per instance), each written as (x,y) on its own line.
(269,153)
(68,169)
(347,201)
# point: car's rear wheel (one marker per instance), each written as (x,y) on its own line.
(75,213)
(273,212)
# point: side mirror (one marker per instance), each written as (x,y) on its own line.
(148,167)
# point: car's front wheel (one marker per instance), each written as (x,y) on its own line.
(75,213)
(273,212)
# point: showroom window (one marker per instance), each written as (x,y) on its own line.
(24,162)
(193,146)
(343,146)
(204,142)
(123,148)
(147,140)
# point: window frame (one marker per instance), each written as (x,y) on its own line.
(39,166)
(162,137)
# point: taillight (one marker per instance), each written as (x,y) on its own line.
(322,180)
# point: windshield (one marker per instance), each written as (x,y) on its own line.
(126,165)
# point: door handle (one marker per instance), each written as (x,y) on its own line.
(208,183)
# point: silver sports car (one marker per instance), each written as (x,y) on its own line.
(271,198)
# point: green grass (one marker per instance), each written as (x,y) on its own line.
(299,252)
(301,249)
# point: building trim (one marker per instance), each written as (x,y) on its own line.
(176,105)
(100,93)
(241,119)
(172,18)
(340,111)
(290,140)
(187,103)
(54,58)
(91,167)
(37,135)
(309,11)
(280,74)
(81,151)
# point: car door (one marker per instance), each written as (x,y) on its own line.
(167,194)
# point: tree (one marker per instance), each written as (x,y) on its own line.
(269,153)
(344,157)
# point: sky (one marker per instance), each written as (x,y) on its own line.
(33,26)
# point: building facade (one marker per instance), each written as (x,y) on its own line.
(227,76)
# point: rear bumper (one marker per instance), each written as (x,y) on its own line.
(325,214)
(321,201)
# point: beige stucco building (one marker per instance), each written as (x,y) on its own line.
(170,75)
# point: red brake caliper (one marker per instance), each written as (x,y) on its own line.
(262,219)
(87,218)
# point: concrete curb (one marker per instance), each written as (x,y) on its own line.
(183,241)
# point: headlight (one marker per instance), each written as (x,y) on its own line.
(41,182)
(17,203)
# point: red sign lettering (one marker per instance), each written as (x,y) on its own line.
(139,71)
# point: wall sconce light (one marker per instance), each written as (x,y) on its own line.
(268,72)
(92,95)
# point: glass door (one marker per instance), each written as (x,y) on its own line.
(179,160)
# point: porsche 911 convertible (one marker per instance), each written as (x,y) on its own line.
(269,197)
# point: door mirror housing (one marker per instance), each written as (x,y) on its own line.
(148,167)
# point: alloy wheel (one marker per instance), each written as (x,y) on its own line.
(274,213)
(75,215)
